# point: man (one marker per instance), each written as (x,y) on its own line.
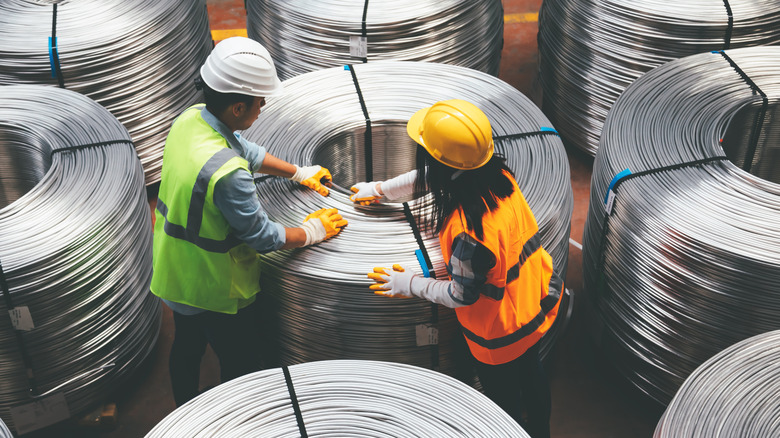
(209,224)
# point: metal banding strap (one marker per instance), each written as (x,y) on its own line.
(54,55)
(758,122)
(197,204)
(90,145)
(294,401)
(19,338)
(368,136)
(434,307)
(363,25)
(729,30)
(542,131)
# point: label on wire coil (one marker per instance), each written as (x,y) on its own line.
(358,46)
(427,334)
(21,318)
(40,413)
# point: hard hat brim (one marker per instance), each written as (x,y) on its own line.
(414,125)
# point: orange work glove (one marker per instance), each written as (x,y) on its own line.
(396,283)
(313,177)
(322,224)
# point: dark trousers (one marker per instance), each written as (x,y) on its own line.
(234,338)
(521,383)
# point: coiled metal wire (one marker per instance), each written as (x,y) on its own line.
(344,398)
(689,260)
(320,294)
(75,249)
(734,393)
(4,432)
(136,58)
(591,50)
(305,35)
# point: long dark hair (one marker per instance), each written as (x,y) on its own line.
(477,191)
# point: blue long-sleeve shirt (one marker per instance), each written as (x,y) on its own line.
(236,198)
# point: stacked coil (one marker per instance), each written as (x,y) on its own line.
(303,35)
(340,398)
(4,432)
(136,58)
(688,261)
(734,393)
(320,294)
(75,250)
(591,50)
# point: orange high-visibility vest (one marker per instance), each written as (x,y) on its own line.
(520,300)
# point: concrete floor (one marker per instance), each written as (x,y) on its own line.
(588,400)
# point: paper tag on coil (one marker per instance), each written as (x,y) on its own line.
(21,318)
(427,334)
(41,413)
(358,46)
(610,201)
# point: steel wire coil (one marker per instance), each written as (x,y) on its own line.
(689,259)
(323,305)
(137,58)
(734,393)
(4,432)
(75,249)
(304,35)
(341,398)
(591,50)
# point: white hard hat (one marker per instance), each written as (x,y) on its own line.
(241,65)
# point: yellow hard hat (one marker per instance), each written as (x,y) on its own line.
(454,132)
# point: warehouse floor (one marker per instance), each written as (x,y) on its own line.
(588,400)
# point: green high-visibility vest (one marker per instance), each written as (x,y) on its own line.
(196,260)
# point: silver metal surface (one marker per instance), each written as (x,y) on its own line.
(4,432)
(75,248)
(691,257)
(591,50)
(320,294)
(307,35)
(136,58)
(732,394)
(341,398)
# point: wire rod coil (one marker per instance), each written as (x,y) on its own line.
(304,35)
(4,432)
(734,393)
(590,51)
(136,58)
(687,262)
(345,398)
(75,250)
(324,307)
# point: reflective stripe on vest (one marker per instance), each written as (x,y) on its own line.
(547,303)
(195,212)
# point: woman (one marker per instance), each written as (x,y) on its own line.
(501,281)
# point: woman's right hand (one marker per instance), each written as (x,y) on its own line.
(366,193)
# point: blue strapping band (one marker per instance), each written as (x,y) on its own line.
(617,177)
(546,129)
(346,67)
(51,56)
(421,261)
